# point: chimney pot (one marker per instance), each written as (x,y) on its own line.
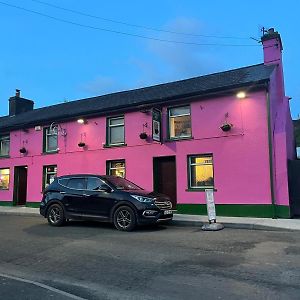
(18,93)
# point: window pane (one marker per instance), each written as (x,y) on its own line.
(117,168)
(4,145)
(50,173)
(118,121)
(180,126)
(94,183)
(52,142)
(77,183)
(117,135)
(4,179)
(184,110)
(202,176)
(201,160)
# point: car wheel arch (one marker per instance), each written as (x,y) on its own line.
(122,203)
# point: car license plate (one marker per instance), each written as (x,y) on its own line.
(167,212)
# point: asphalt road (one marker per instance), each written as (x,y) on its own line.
(95,261)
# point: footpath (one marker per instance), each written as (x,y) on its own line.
(192,220)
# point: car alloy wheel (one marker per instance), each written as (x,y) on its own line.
(124,218)
(55,215)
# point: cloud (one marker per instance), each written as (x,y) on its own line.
(172,61)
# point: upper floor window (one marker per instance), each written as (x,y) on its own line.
(4,179)
(50,172)
(180,122)
(50,140)
(201,173)
(115,131)
(4,145)
(116,168)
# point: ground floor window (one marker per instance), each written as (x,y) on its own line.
(201,173)
(116,168)
(50,172)
(4,179)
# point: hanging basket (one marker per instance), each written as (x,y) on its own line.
(226,127)
(23,150)
(143,135)
(81,144)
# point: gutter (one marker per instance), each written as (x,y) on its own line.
(271,157)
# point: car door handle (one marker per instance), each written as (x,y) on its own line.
(62,192)
(86,195)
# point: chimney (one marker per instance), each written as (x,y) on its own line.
(272,46)
(18,105)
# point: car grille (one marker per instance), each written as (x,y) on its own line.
(163,204)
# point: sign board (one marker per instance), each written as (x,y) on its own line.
(210,205)
(156,125)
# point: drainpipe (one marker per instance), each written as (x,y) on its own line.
(271,161)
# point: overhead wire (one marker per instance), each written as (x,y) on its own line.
(122,32)
(136,25)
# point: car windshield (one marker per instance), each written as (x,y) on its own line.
(122,184)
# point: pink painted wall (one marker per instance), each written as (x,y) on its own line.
(281,121)
(240,157)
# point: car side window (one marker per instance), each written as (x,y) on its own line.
(77,183)
(94,183)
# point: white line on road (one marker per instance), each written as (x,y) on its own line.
(44,286)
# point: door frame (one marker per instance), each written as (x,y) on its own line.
(16,184)
(155,171)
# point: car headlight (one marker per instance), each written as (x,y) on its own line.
(142,199)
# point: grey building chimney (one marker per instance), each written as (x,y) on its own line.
(18,105)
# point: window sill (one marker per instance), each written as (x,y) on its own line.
(4,156)
(200,189)
(113,146)
(50,152)
(179,139)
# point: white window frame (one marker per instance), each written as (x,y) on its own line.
(173,117)
(190,164)
(47,134)
(6,189)
(109,167)
(4,138)
(109,126)
(45,173)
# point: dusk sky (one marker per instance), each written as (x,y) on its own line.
(52,61)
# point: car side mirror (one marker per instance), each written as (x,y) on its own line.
(104,188)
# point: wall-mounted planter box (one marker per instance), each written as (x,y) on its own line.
(23,150)
(81,144)
(226,127)
(143,135)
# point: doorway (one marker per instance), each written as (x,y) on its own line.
(20,185)
(164,177)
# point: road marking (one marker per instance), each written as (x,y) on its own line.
(44,286)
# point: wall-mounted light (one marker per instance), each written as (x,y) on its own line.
(241,95)
(81,121)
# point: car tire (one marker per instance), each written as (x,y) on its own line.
(124,218)
(56,215)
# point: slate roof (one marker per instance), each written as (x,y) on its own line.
(151,95)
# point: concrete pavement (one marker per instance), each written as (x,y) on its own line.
(192,220)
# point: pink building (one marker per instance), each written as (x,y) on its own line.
(230,131)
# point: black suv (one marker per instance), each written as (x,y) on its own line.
(104,198)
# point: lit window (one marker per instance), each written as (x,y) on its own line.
(201,173)
(4,145)
(50,140)
(180,122)
(116,168)
(115,131)
(4,179)
(50,172)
